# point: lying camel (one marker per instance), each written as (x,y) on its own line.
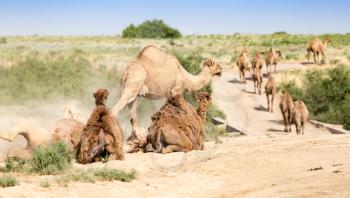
(316,47)
(102,134)
(287,109)
(243,65)
(300,116)
(257,77)
(177,126)
(270,89)
(67,130)
(272,58)
(156,74)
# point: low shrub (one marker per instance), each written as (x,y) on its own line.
(8,181)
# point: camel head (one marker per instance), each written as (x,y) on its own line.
(279,53)
(101,96)
(326,41)
(214,68)
(203,100)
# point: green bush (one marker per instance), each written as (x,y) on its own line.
(3,40)
(7,181)
(53,159)
(326,94)
(39,80)
(151,29)
(101,174)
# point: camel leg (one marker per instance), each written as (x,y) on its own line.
(308,56)
(133,81)
(11,136)
(174,148)
(285,121)
(323,56)
(268,102)
(272,98)
(315,58)
(137,131)
(254,87)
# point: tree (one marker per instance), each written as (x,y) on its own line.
(151,29)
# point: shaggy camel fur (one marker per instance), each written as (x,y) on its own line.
(270,89)
(272,58)
(243,65)
(177,126)
(156,74)
(316,47)
(300,116)
(258,61)
(287,109)
(67,130)
(257,77)
(101,134)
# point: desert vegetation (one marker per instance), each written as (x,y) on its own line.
(151,29)
(326,93)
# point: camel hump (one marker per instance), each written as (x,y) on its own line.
(151,50)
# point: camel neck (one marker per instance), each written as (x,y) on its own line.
(199,81)
(202,113)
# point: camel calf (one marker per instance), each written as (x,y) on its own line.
(257,77)
(287,109)
(300,116)
(270,89)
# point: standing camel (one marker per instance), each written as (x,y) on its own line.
(242,64)
(316,47)
(155,74)
(272,58)
(270,89)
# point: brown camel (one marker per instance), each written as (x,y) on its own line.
(243,65)
(257,77)
(287,109)
(300,116)
(157,74)
(270,89)
(101,134)
(316,47)
(258,61)
(177,126)
(272,58)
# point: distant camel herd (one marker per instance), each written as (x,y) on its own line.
(292,112)
(177,126)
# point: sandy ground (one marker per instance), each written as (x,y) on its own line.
(264,163)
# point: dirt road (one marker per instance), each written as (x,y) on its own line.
(264,163)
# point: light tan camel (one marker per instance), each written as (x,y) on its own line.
(67,130)
(243,65)
(272,58)
(178,127)
(156,74)
(270,89)
(300,116)
(316,46)
(287,109)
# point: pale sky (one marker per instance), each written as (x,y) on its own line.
(110,17)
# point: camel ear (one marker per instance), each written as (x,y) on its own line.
(94,94)
(207,62)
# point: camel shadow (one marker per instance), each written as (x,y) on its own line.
(277,121)
(275,130)
(234,81)
(250,92)
(307,63)
(260,108)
